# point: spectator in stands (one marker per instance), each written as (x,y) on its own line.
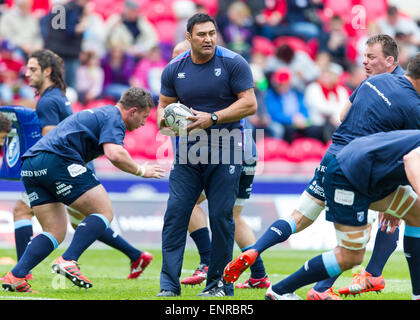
(239,30)
(337,41)
(94,36)
(356,75)
(134,28)
(303,68)
(90,77)
(286,106)
(148,71)
(11,76)
(183,9)
(20,27)
(118,66)
(394,23)
(67,42)
(325,98)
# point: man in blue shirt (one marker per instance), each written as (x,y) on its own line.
(383,102)
(55,175)
(45,74)
(217,85)
(373,171)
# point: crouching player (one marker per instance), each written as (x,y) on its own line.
(373,171)
(55,175)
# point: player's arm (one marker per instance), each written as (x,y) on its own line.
(346,109)
(121,159)
(245,106)
(412,168)
(47,129)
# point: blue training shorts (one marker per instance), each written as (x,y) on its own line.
(343,204)
(50,178)
(316,187)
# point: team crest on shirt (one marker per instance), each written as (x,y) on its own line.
(232,169)
(217,71)
(360,216)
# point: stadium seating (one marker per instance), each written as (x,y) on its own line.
(272,149)
(306,149)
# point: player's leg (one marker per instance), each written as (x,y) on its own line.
(139,260)
(22,217)
(348,253)
(185,186)
(221,187)
(199,232)
(52,218)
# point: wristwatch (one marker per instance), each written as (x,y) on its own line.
(214,117)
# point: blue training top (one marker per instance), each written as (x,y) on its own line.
(374,165)
(52,107)
(384,102)
(210,86)
(80,136)
(398,71)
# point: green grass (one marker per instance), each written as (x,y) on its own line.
(108,269)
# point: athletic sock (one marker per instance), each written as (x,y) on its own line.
(412,255)
(323,285)
(38,249)
(257,269)
(201,239)
(114,240)
(278,232)
(385,245)
(89,230)
(321,267)
(23,234)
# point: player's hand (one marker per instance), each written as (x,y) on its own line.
(151,171)
(200,120)
(388,222)
(165,130)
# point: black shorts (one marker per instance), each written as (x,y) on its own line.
(50,178)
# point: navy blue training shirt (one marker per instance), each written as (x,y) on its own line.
(208,87)
(52,107)
(374,165)
(80,137)
(384,102)
(398,71)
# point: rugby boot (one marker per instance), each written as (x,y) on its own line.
(235,268)
(70,269)
(199,275)
(252,283)
(328,294)
(12,283)
(271,295)
(138,266)
(363,282)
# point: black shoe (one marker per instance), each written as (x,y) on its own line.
(167,293)
(216,291)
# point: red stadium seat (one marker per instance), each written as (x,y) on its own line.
(272,149)
(374,9)
(263,45)
(306,149)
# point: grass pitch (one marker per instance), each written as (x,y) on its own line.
(108,269)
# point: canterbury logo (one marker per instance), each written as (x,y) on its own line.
(276,231)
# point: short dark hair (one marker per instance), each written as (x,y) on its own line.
(46,58)
(199,18)
(5,123)
(389,46)
(136,97)
(413,67)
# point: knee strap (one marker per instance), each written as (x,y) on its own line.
(403,200)
(308,207)
(353,240)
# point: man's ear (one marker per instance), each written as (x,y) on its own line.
(389,61)
(47,71)
(188,36)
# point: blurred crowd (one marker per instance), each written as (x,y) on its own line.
(306,55)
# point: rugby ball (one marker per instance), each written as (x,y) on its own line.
(175,116)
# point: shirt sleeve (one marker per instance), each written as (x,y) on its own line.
(241,76)
(167,84)
(48,112)
(112,131)
(354,93)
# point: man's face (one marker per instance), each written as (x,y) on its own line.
(203,39)
(34,74)
(375,62)
(3,136)
(137,118)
